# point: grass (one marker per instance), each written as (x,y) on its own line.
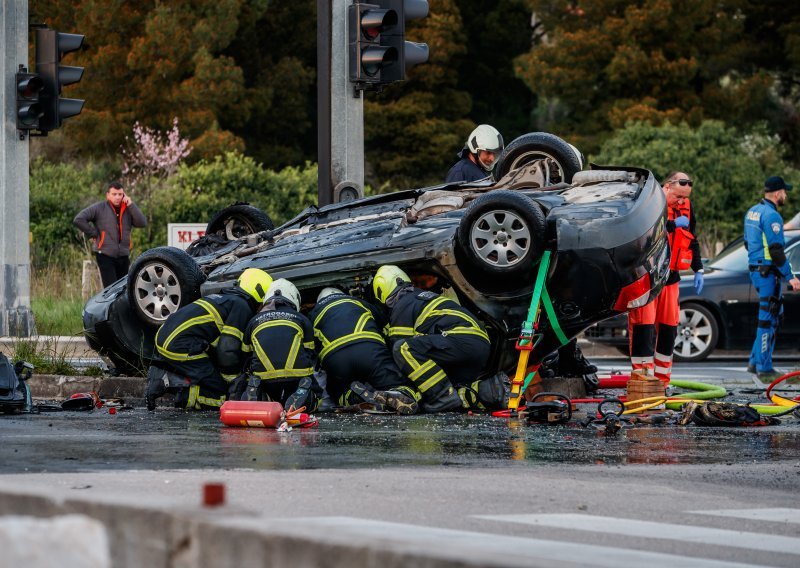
(48,358)
(58,316)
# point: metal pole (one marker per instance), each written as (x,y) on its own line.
(16,318)
(343,115)
(324,186)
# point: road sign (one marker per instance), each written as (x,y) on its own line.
(181,235)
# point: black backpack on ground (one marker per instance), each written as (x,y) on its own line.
(15,396)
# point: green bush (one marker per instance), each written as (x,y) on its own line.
(198,191)
(729,168)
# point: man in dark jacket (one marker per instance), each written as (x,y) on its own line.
(354,355)
(202,344)
(108,225)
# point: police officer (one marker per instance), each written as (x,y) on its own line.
(763,238)
(203,343)
(477,158)
(439,345)
(282,341)
(354,355)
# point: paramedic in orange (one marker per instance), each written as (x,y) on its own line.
(652,329)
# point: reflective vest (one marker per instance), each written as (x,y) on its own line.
(282,341)
(341,320)
(680,241)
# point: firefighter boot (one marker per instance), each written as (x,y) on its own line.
(446,400)
(253,389)
(403,400)
(572,363)
(360,393)
(303,396)
(156,386)
(491,393)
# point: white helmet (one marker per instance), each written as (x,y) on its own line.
(285,289)
(328,292)
(485,137)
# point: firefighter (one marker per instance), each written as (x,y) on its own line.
(354,355)
(652,329)
(438,345)
(202,343)
(282,342)
(477,158)
(763,238)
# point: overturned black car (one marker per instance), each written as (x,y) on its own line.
(603,229)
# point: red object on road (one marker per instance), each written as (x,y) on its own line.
(213,494)
(251,413)
(112,410)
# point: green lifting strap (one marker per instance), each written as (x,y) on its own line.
(540,295)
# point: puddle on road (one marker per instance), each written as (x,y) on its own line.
(172,439)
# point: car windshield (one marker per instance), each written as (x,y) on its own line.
(732,258)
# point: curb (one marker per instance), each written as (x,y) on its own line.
(226,537)
(58,387)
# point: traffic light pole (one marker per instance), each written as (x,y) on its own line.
(340,113)
(16,318)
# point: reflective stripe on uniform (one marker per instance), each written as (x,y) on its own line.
(395,331)
(196,399)
(419,370)
(179,356)
(767,256)
(212,316)
(288,371)
(431,310)
(357,334)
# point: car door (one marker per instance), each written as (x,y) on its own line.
(730,288)
(790,331)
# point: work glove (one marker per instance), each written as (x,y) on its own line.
(682,222)
(698,282)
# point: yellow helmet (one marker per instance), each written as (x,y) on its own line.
(386,280)
(255,282)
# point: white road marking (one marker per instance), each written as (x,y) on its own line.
(496,549)
(666,531)
(777,515)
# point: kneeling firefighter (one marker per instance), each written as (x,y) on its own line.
(282,340)
(200,345)
(439,345)
(354,355)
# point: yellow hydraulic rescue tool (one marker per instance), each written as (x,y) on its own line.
(529,336)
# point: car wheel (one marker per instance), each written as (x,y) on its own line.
(559,160)
(161,281)
(239,220)
(698,333)
(501,235)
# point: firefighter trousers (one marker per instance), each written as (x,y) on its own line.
(434,363)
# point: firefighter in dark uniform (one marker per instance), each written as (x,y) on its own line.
(439,345)
(354,355)
(202,344)
(282,342)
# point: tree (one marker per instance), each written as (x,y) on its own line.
(728,165)
(602,63)
(150,61)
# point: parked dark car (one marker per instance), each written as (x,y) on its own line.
(604,228)
(724,316)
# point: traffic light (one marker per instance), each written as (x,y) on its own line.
(368,57)
(51,46)
(29,108)
(409,53)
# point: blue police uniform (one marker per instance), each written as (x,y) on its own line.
(763,237)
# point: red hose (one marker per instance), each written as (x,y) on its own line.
(780,380)
(614,381)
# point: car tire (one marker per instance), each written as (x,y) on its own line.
(562,159)
(239,220)
(698,333)
(499,238)
(161,281)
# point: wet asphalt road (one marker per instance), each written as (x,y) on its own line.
(658,496)
(169,439)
